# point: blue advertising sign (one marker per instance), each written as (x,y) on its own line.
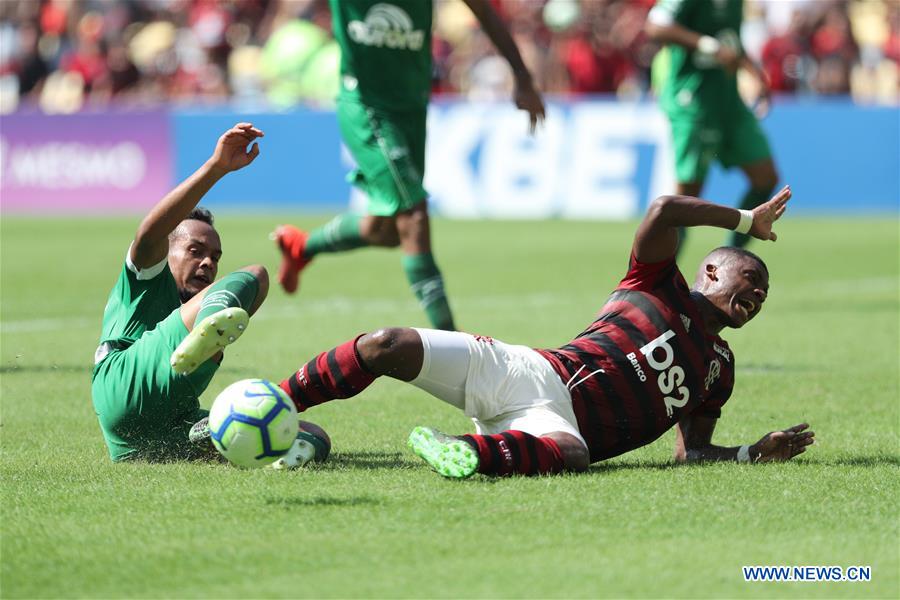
(299,166)
(593,159)
(597,159)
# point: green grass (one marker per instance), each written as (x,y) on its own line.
(374,521)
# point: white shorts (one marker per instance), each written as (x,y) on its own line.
(500,387)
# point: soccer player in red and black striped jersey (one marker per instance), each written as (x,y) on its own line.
(652,359)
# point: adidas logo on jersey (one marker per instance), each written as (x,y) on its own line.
(686,321)
(386,26)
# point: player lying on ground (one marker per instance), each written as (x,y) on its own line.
(386,77)
(651,360)
(166,322)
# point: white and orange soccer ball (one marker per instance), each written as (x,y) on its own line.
(253,423)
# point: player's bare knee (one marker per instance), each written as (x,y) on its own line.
(412,220)
(574,453)
(384,238)
(380,231)
(392,351)
(389,238)
(376,347)
(261,274)
(766,182)
(576,458)
(763,177)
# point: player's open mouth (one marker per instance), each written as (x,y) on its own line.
(748,306)
(201,279)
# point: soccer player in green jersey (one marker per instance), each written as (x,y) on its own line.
(385,88)
(166,321)
(700,97)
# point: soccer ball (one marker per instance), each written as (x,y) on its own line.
(252,423)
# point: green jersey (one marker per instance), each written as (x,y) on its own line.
(140,299)
(142,405)
(696,84)
(385,51)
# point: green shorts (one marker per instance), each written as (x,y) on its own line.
(732,137)
(389,150)
(146,410)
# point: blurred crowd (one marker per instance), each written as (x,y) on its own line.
(65,55)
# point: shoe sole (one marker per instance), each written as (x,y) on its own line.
(200,432)
(453,459)
(211,335)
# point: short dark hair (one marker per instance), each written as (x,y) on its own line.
(732,252)
(197,214)
(200,214)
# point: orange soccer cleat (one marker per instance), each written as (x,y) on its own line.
(292,242)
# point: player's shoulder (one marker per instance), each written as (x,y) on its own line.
(644,275)
(143,273)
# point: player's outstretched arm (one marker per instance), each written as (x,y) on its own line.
(151,242)
(526,96)
(693,443)
(657,235)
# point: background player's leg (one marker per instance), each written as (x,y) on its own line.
(348,232)
(763,178)
(345,232)
(340,234)
(424,277)
(380,231)
(693,188)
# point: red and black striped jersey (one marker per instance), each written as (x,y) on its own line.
(644,363)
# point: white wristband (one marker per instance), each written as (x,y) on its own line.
(708,45)
(743,454)
(746,221)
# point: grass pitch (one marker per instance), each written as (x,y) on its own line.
(374,521)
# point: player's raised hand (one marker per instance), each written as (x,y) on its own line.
(767,213)
(782,445)
(529,99)
(232,152)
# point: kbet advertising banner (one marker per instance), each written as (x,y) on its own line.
(104,162)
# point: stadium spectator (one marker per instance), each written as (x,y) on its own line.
(784,57)
(147,51)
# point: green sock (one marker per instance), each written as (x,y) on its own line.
(427,284)
(338,235)
(751,200)
(235,289)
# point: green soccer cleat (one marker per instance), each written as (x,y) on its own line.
(208,337)
(448,455)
